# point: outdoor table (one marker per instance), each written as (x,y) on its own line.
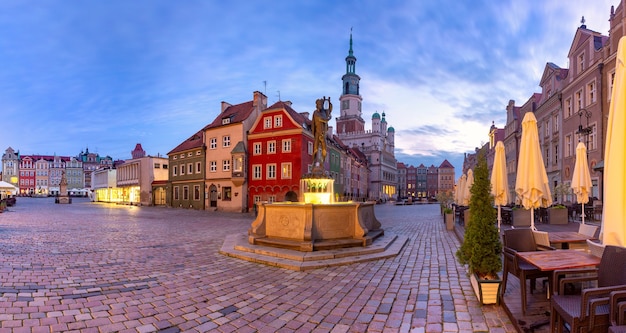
(566,237)
(558,259)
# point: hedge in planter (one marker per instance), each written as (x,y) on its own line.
(481,249)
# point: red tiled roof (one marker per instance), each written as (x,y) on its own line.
(195,141)
(446,164)
(237,113)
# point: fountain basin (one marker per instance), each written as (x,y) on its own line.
(309,227)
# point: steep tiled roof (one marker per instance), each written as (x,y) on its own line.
(195,141)
(446,164)
(237,113)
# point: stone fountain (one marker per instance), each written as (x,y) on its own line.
(316,231)
(316,221)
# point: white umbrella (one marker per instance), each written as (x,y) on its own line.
(531,184)
(469,181)
(499,184)
(581,180)
(613,228)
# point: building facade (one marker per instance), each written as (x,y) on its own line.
(377,144)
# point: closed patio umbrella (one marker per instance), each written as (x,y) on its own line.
(613,229)
(460,188)
(581,180)
(531,184)
(499,186)
(469,181)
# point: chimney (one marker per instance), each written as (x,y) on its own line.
(259,101)
(329,133)
(288,103)
(225,106)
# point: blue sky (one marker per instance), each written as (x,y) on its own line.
(109,74)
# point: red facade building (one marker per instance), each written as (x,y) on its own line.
(280,147)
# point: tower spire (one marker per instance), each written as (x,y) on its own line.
(350,52)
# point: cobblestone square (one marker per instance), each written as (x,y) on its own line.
(93,267)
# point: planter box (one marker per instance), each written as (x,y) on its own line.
(557,215)
(449,218)
(466,217)
(521,217)
(487,291)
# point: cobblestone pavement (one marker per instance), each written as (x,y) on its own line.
(92,267)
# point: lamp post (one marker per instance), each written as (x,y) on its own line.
(586,131)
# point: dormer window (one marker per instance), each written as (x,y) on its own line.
(225,121)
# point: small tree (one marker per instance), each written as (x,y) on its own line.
(481,248)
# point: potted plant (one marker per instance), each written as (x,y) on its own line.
(445,199)
(448,214)
(557,214)
(481,248)
(520,217)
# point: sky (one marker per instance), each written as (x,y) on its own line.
(106,75)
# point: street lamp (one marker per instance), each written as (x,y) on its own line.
(584,130)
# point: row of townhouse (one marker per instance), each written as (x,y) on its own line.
(422,182)
(572,107)
(40,175)
(252,153)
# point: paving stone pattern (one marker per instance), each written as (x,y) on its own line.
(93,267)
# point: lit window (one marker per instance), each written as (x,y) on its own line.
(238,163)
(285,170)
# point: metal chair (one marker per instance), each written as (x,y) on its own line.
(589,311)
(521,240)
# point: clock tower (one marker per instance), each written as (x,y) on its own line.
(349,120)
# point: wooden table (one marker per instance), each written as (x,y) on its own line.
(566,237)
(558,259)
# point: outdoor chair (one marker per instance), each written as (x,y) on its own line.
(617,314)
(541,238)
(595,249)
(521,240)
(587,230)
(589,311)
